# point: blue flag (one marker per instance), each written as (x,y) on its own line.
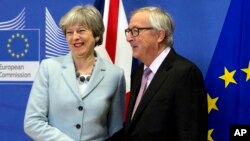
(19,45)
(228,77)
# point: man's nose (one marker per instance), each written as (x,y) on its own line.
(129,37)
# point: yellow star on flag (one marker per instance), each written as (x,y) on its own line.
(212,103)
(247,71)
(209,137)
(228,77)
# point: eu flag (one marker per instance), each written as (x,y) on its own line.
(228,76)
(19,45)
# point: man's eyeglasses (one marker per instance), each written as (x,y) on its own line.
(136,30)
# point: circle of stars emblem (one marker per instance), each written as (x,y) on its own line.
(11,39)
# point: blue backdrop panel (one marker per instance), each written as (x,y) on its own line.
(198,27)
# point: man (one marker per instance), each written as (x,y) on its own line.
(174,104)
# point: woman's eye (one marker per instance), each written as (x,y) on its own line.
(69,33)
(81,31)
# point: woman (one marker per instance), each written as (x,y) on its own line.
(79,96)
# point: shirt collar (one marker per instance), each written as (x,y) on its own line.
(158,60)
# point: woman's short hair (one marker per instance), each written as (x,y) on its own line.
(87,16)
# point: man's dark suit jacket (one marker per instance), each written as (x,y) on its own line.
(174,106)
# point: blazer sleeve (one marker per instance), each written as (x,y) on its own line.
(117,106)
(191,106)
(36,115)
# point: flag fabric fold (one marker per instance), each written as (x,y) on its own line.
(115,48)
(227,79)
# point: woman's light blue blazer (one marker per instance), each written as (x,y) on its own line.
(56,111)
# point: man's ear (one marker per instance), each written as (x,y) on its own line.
(161,35)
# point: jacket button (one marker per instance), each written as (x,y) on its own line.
(80,108)
(78,126)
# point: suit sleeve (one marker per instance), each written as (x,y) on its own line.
(191,106)
(117,106)
(36,115)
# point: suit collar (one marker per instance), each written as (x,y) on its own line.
(160,76)
(69,68)
(97,76)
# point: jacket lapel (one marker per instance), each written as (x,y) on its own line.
(134,90)
(67,69)
(160,76)
(97,76)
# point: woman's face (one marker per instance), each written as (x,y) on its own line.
(80,40)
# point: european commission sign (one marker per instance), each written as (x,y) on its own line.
(19,55)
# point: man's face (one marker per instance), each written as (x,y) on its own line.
(142,37)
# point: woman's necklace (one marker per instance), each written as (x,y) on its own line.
(82,78)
